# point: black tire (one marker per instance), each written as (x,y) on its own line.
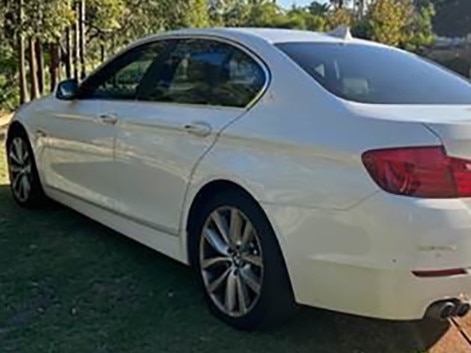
(35,198)
(275,302)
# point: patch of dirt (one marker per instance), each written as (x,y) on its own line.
(452,342)
(5,119)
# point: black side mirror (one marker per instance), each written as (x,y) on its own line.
(67,90)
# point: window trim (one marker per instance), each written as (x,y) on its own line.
(176,37)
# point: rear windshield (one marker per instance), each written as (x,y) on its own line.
(378,75)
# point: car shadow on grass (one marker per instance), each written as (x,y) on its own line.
(68,284)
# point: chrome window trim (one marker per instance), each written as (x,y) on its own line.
(260,62)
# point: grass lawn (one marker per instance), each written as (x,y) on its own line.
(68,284)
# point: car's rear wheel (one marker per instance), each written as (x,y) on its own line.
(239,263)
(24,178)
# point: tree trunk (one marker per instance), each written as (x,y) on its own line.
(102,52)
(40,64)
(113,42)
(361,8)
(82,39)
(33,69)
(54,67)
(59,62)
(24,97)
(77,46)
(68,48)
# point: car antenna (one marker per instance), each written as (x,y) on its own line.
(342,32)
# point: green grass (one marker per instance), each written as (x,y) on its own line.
(68,284)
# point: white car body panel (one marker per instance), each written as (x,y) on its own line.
(369,252)
(456,137)
(155,157)
(80,156)
(348,245)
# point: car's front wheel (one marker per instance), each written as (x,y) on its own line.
(239,263)
(24,178)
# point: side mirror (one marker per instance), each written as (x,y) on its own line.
(67,90)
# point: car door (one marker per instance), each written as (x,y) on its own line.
(198,88)
(81,134)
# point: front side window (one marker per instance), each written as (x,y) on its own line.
(121,78)
(378,75)
(206,72)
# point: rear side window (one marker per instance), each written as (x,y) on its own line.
(378,75)
(206,72)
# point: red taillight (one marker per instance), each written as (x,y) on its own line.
(419,172)
(441,273)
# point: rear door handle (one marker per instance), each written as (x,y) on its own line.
(109,119)
(198,128)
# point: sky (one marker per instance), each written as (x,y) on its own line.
(288,3)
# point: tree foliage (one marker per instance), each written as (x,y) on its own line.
(318,9)
(47,20)
(388,21)
(419,30)
(340,17)
(399,23)
(106,15)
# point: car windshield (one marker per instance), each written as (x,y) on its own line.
(378,75)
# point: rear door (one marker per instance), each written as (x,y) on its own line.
(198,88)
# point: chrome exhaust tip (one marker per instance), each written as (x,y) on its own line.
(442,310)
(462,309)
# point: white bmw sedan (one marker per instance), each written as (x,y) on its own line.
(284,166)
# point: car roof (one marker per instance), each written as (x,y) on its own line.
(278,35)
(271,35)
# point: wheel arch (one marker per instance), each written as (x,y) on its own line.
(36,196)
(203,195)
(18,126)
(15,127)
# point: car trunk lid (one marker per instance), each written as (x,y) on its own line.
(450,123)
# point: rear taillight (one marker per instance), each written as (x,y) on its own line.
(441,273)
(419,172)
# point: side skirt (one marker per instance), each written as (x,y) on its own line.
(160,241)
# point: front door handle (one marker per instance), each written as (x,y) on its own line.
(109,119)
(198,128)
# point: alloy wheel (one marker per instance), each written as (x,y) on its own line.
(20,169)
(231,261)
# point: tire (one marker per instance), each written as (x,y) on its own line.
(252,258)
(25,184)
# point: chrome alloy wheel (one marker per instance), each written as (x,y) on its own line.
(20,169)
(231,261)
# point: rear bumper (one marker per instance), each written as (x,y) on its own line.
(360,260)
